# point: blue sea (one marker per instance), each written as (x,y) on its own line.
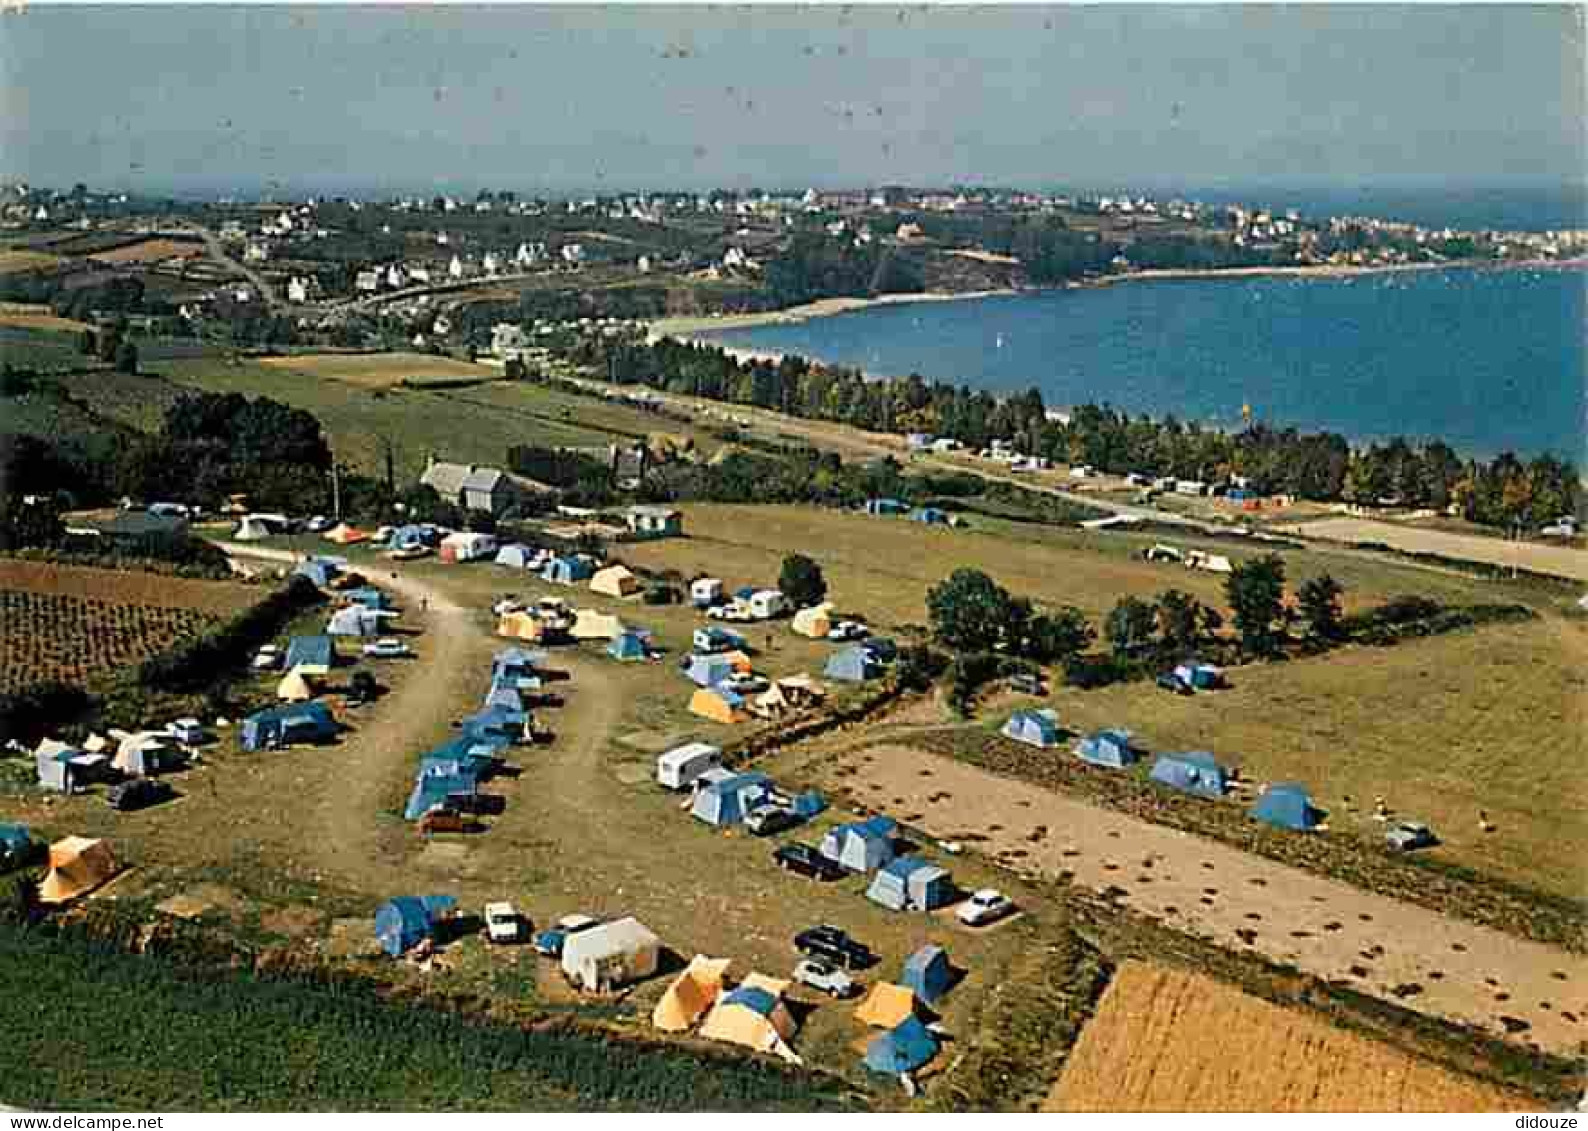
(1486,359)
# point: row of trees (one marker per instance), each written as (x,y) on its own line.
(1319,465)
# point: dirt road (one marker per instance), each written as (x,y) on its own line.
(1446,967)
(1564,561)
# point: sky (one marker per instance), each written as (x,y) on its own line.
(203,100)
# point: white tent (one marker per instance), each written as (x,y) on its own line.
(610,955)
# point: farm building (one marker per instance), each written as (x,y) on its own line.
(311,655)
(754,1015)
(293,688)
(588,624)
(1286,805)
(911,884)
(615,581)
(78,865)
(654,521)
(1034,728)
(718,704)
(610,955)
(691,994)
(567,570)
(705,591)
(477,488)
(515,555)
(927,973)
(887,507)
(932,516)
(321,571)
(815,622)
(851,665)
(886,1005)
(1110,749)
(727,800)
(861,846)
(401,923)
(467,546)
(903,1049)
(1203,677)
(282,726)
(1194,772)
(629,646)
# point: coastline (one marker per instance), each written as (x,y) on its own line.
(685,328)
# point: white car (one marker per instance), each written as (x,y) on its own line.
(317,524)
(386,648)
(986,906)
(733,612)
(189,732)
(745,683)
(506,605)
(503,923)
(824,976)
(268,658)
(847,630)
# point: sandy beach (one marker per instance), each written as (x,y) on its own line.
(822,308)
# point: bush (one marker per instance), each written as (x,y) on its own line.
(196,663)
(29,715)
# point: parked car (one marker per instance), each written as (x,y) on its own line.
(503,923)
(549,943)
(847,630)
(386,648)
(824,976)
(318,524)
(1171,682)
(745,683)
(835,946)
(447,820)
(362,689)
(985,906)
(805,860)
(268,658)
(1408,836)
(764,820)
(732,612)
(189,732)
(138,793)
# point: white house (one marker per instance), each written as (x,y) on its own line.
(297,289)
(573,253)
(455,268)
(395,277)
(491,264)
(367,281)
(508,340)
(257,251)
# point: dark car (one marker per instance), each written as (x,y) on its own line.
(764,820)
(362,689)
(1171,682)
(1026,683)
(805,860)
(139,793)
(834,945)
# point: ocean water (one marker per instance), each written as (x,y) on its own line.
(1488,360)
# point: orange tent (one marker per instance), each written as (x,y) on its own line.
(886,1005)
(78,865)
(714,704)
(690,995)
(519,626)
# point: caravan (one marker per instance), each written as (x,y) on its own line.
(679,767)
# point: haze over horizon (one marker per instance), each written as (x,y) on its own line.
(246,100)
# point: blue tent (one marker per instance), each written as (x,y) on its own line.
(808,804)
(412,537)
(310,652)
(567,571)
(1285,805)
(434,784)
(726,802)
(401,922)
(851,665)
(496,722)
(881,649)
(861,846)
(505,697)
(1110,749)
(16,843)
(928,973)
(515,555)
(911,883)
(904,1048)
(368,596)
(628,646)
(524,658)
(350,620)
(294,722)
(708,671)
(1034,728)
(1196,674)
(482,752)
(318,570)
(932,516)
(1194,772)
(887,507)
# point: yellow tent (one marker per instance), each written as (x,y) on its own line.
(591,625)
(690,995)
(886,1005)
(815,622)
(519,626)
(78,865)
(709,703)
(294,688)
(614,581)
(754,1015)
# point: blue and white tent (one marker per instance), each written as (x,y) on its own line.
(911,884)
(861,846)
(515,555)
(496,722)
(1286,805)
(1196,674)
(713,638)
(567,570)
(402,922)
(808,805)
(505,697)
(1110,749)
(906,1047)
(851,665)
(727,801)
(708,671)
(1195,772)
(368,596)
(414,536)
(1034,728)
(434,785)
(318,570)
(354,620)
(282,726)
(311,655)
(928,973)
(932,516)
(628,646)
